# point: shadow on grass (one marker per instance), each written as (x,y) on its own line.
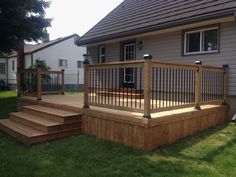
(7,105)
(203,146)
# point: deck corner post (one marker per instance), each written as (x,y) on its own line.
(39,84)
(147,85)
(226,67)
(198,88)
(86,84)
(18,84)
(62,81)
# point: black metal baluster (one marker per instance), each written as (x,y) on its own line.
(156,78)
(140,87)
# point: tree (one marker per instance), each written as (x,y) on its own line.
(22,20)
(40,64)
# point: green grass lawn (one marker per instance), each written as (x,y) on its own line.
(208,154)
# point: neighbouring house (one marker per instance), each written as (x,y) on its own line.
(61,53)
(8,68)
(173,31)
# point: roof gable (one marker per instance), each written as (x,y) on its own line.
(139,16)
(29,48)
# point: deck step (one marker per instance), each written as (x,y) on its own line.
(53,113)
(29,135)
(36,124)
(19,131)
(42,124)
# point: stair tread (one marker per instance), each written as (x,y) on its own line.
(36,119)
(54,111)
(21,129)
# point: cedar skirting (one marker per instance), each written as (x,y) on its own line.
(149,134)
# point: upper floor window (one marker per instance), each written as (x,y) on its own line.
(62,63)
(201,41)
(2,68)
(80,64)
(102,53)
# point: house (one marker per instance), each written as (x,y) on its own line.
(58,54)
(173,31)
(159,71)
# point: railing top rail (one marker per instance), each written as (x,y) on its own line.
(213,69)
(174,65)
(51,72)
(157,64)
(28,71)
(117,64)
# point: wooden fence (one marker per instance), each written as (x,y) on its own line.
(155,86)
(37,82)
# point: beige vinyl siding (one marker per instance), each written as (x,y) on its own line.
(168,47)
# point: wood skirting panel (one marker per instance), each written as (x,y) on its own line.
(160,131)
(122,133)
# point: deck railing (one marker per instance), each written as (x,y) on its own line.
(37,82)
(153,86)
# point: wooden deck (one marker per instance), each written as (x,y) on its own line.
(130,128)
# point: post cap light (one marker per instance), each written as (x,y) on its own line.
(198,62)
(147,57)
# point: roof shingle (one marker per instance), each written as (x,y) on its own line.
(138,16)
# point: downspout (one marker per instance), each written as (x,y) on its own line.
(32,59)
(7,73)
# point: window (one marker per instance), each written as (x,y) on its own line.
(2,68)
(13,65)
(80,64)
(102,53)
(129,55)
(201,41)
(62,63)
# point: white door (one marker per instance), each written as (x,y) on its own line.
(129,55)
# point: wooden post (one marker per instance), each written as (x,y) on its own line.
(86,84)
(39,84)
(18,84)
(62,81)
(225,84)
(198,88)
(147,87)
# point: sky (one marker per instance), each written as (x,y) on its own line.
(77,16)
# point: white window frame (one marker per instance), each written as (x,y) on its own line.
(127,45)
(201,31)
(64,63)
(100,53)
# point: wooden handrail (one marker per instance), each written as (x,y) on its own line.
(162,85)
(39,76)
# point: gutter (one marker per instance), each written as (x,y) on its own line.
(166,25)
